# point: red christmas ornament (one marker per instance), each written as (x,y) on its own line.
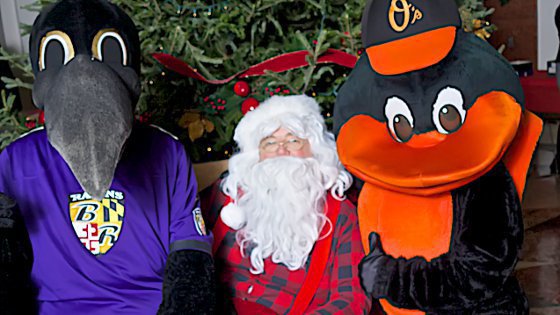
(249,105)
(242,88)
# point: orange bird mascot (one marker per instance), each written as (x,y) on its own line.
(432,120)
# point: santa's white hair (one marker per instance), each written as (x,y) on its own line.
(278,204)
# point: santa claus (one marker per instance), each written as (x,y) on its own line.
(287,241)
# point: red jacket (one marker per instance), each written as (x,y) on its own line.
(274,291)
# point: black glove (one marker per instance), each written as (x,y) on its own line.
(188,286)
(17,294)
(376,268)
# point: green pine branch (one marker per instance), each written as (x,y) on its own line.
(221,38)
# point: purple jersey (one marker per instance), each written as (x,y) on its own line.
(105,257)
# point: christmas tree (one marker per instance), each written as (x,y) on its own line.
(474,15)
(219,39)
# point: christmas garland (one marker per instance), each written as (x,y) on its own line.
(278,64)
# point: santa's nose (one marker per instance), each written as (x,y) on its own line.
(282,151)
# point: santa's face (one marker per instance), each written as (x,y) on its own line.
(283,143)
(279,187)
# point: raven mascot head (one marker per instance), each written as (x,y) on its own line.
(86,58)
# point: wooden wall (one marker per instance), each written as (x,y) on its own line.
(517,28)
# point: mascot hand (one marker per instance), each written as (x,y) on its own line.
(376,268)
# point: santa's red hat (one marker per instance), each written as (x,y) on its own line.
(272,113)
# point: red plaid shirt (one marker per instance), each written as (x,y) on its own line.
(339,290)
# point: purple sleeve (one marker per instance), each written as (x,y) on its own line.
(5,174)
(187,228)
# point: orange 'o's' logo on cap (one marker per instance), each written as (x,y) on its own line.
(406,10)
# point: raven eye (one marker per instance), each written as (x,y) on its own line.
(55,51)
(449,113)
(109,47)
(399,119)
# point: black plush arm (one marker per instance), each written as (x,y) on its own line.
(487,236)
(188,286)
(16,258)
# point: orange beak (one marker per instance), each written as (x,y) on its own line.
(426,140)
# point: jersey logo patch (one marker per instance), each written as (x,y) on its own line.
(199,221)
(97,224)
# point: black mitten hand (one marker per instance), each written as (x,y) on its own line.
(375,247)
(188,285)
(17,295)
(376,268)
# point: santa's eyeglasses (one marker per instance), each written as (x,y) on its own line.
(271,145)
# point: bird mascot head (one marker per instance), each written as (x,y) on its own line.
(440,104)
(86,58)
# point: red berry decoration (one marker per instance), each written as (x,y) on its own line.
(242,88)
(30,124)
(249,105)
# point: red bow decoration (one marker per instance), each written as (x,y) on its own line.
(281,63)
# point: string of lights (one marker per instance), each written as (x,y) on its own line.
(196,10)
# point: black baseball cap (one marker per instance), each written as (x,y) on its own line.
(407,35)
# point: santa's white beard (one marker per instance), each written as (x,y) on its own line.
(283,201)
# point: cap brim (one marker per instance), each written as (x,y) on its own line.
(412,53)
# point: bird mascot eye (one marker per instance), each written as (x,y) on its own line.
(399,119)
(109,47)
(449,113)
(55,51)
